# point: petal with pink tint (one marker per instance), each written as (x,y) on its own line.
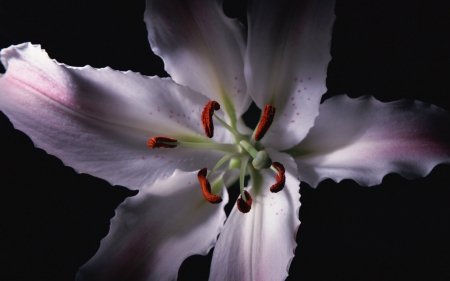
(201,48)
(286,63)
(154,231)
(260,244)
(99,120)
(364,139)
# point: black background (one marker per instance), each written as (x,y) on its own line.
(52,219)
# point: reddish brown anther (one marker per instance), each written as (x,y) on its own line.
(206,188)
(281,177)
(243,206)
(265,122)
(161,142)
(207,115)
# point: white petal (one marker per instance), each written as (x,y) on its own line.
(286,63)
(154,231)
(99,120)
(260,245)
(364,139)
(201,48)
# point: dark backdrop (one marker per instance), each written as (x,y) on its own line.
(52,219)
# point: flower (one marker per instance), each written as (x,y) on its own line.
(336,146)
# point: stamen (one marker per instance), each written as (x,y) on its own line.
(206,188)
(242,205)
(249,148)
(243,169)
(226,147)
(207,115)
(265,122)
(231,129)
(221,161)
(161,142)
(281,177)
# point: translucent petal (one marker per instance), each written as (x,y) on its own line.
(154,231)
(260,244)
(201,48)
(99,120)
(364,139)
(286,63)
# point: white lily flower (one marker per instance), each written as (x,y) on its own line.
(98,120)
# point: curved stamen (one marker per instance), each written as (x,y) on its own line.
(206,145)
(243,169)
(206,188)
(249,148)
(242,205)
(231,129)
(207,115)
(161,142)
(265,122)
(281,177)
(221,161)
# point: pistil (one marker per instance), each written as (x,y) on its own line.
(235,153)
(261,159)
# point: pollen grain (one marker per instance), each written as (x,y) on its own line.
(206,188)
(266,121)
(207,115)
(161,142)
(281,177)
(244,206)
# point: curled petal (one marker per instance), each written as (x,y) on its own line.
(364,139)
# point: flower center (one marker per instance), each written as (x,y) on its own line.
(237,155)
